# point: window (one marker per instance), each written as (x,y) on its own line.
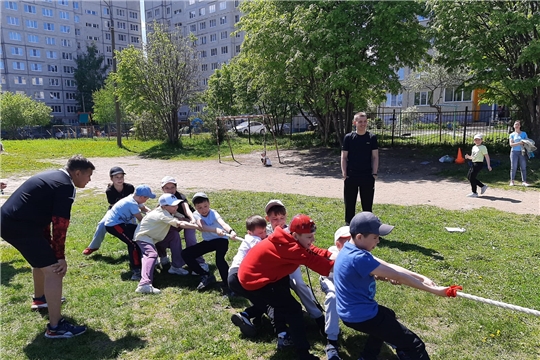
(212,8)
(75,4)
(135,39)
(70,96)
(66,43)
(71,109)
(421,98)
(121,25)
(77,31)
(15,36)
(205,81)
(56,108)
(456,95)
(203,53)
(215,65)
(67,56)
(48,26)
(106,11)
(224,49)
(51,54)
(134,27)
(35,67)
(13,20)
(54,82)
(109,61)
(193,28)
(107,36)
(108,48)
(63,2)
(64,15)
(236,3)
(177,24)
(202,25)
(133,15)
(191,2)
(11,5)
(224,35)
(19,80)
(168,10)
(192,14)
(52,68)
(47,12)
(37,81)
(203,40)
(237,49)
(93,25)
(69,69)
(120,12)
(156,12)
(213,23)
(39,95)
(202,11)
(50,41)
(237,34)
(93,12)
(236,18)
(76,18)
(65,29)
(213,52)
(122,37)
(16,50)
(70,83)
(213,37)
(394,100)
(31,24)
(178,11)
(204,67)
(148,14)
(34,53)
(32,38)
(95,38)
(222,20)
(31,9)
(222,5)
(401,74)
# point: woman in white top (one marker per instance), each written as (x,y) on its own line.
(516,155)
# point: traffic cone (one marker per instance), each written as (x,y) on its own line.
(460,159)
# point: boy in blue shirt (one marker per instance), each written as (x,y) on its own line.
(355,272)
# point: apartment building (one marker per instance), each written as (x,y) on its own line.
(42,38)
(211,21)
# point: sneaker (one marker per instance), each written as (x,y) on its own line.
(245,325)
(164,260)
(64,330)
(147,289)
(136,275)
(88,251)
(205,267)
(283,341)
(41,302)
(205,281)
(484,188)
(511,183)
(525,184)
(178,271)
(331,352)
(473,195)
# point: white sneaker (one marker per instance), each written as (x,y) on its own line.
(205,267)
(525,184)
(178,271)
(511,183)
(147,289)
(484,188)
(164,260)
(474,195)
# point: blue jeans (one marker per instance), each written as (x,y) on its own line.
(515,159)
(99,235)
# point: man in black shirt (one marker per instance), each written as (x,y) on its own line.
(359,166)
(42,200)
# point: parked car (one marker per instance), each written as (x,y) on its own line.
(253,127)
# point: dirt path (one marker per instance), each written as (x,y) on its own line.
(403,180)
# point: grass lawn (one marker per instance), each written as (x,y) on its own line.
(497,258)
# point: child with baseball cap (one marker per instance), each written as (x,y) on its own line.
(478,153)
(355,272)
(121,221)
(151,233)
(264,274)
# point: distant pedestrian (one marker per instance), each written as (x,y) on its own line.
(478,153)
(516,154)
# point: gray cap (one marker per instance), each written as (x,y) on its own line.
(367,223)
(199,195)
(271,204)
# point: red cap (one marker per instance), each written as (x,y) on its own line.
(302,224)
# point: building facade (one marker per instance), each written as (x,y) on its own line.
(42,38)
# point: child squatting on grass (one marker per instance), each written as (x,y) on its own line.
(152,233)
(355,272)
(478,153)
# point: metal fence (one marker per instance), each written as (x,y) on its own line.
(67,131)
(398,128)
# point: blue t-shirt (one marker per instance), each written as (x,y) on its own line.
(211,220)
(517,138)
(355,287)
(123,212)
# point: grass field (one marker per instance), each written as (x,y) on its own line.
(497,257)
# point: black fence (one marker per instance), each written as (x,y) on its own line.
(67,132)
(399,128)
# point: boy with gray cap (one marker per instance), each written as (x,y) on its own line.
(355,272)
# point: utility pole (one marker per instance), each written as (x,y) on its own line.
(116,103)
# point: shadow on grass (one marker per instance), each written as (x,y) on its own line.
(90,345)
(352,346)
(110,260)
(410,247)
(9,271)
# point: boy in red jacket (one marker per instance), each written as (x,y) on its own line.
(264,274)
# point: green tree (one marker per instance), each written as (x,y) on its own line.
(18,110)
(498,44)
(159,79)
(104,110)
(90,73)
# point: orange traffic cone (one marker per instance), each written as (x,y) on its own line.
(460,159)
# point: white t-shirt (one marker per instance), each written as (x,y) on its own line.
(249,242)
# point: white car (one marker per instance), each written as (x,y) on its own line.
(255,127)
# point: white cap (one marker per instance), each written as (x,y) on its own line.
(271,204)
(168,199)
(342,232)
(478,136)
(166,180)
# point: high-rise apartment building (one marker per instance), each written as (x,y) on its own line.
(41,39)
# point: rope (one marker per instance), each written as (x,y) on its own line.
(498,303)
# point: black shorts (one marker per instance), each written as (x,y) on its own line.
(35,248)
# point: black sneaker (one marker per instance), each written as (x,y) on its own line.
(64,330)
(331,352)
(245,325)
(205,281)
